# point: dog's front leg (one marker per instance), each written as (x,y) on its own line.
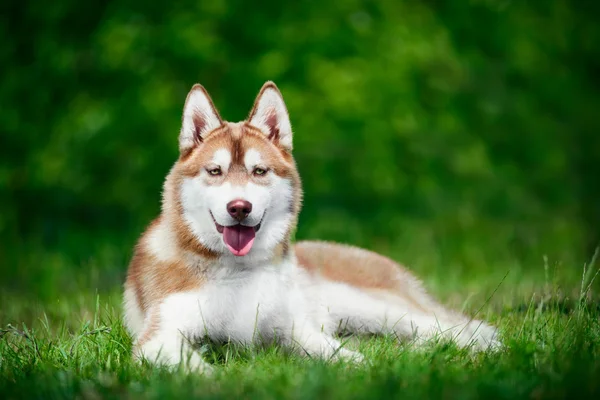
(313,343)
(167,343)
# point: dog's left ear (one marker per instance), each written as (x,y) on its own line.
(270,115)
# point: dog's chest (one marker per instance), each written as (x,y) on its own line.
(249,306)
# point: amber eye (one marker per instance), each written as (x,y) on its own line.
(259,171)
(214,171)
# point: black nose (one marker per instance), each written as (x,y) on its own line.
(239,209)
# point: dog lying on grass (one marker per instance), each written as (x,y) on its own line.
(218,264)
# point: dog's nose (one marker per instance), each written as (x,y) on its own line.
(239,209)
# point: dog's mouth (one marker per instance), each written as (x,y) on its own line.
(238,238)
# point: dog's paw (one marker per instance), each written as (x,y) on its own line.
(194,363)
(348,356)
(479,336)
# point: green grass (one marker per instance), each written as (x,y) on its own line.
(76,346)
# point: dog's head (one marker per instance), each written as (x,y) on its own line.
(235,186)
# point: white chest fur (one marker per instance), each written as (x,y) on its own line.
(244,306)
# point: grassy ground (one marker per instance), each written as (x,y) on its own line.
(75,346)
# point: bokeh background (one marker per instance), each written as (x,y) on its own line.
(459,137)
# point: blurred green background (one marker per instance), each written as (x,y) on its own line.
(460,137)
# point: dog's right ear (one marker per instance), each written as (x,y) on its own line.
(200,117)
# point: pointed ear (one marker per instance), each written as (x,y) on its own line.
(270,115)
(199,118)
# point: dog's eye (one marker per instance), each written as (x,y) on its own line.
(259,171)
(214,171)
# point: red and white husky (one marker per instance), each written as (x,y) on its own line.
(218,264)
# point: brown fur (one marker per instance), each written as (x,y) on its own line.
(236,138)
(153,280)
(149,331)
(362,268)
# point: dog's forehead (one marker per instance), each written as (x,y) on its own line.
(236,145)
(236,129)
(246,141)
(222,156)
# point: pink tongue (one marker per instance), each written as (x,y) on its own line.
(239,239)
